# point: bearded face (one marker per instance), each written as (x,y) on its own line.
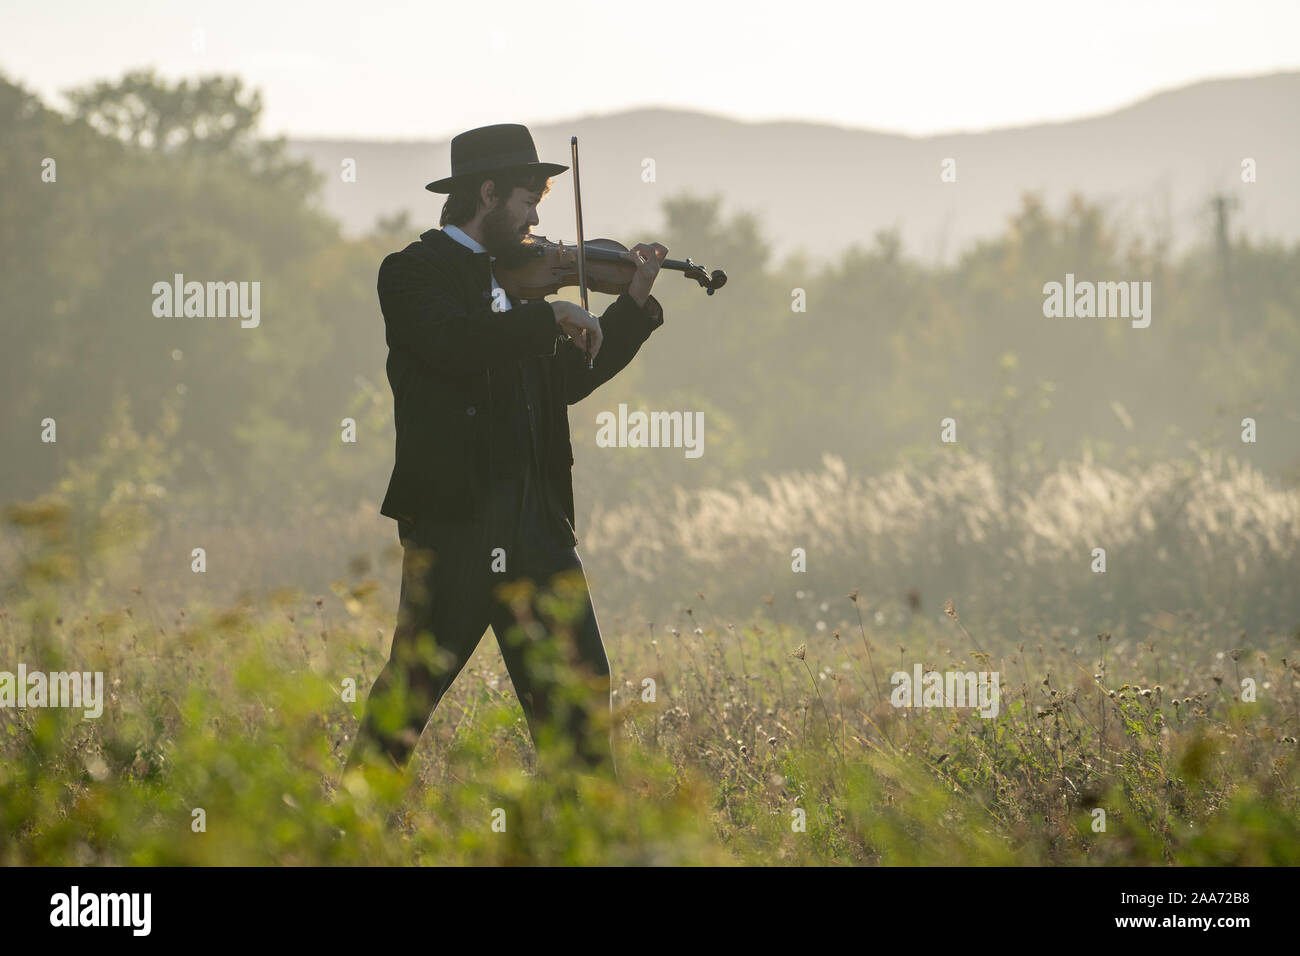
(507,225)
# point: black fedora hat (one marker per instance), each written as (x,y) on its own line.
(492,149)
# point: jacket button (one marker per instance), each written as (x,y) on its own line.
(471,411)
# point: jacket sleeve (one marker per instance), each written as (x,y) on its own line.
(624,327)
(424,317)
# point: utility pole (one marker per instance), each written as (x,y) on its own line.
(1223,206)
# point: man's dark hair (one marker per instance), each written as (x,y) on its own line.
(462,202)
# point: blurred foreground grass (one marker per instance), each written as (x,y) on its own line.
(239,713)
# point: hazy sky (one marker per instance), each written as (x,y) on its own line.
(389,70)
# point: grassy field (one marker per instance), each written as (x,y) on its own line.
(766,737)
(240,713)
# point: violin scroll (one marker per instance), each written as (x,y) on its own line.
(710,283)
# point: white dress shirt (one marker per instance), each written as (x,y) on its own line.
(470,242)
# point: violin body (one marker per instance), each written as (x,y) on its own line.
(550,266)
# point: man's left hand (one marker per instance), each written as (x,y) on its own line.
(648,258)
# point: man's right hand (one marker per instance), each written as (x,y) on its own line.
(579,325)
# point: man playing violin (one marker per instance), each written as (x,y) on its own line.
(482,486)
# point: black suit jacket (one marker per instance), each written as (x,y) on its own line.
(447,348)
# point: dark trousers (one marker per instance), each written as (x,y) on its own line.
(540,610)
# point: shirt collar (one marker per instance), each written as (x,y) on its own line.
(466,240)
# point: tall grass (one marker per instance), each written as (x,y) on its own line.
(760,737)
(1209,534)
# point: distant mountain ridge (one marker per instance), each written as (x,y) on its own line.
(820,188)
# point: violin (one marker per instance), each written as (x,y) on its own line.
(547,267)
(599,264)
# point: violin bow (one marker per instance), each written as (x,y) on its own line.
(582,249)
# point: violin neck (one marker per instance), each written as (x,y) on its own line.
(610,255)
